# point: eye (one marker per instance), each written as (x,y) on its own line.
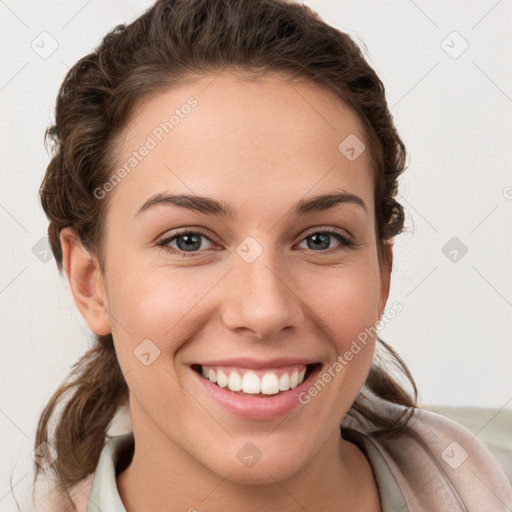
(321,240)
(191,241)
(186,241)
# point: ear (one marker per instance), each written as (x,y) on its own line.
(86,282)
(385,275)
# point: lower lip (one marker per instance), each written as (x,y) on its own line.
(257,407)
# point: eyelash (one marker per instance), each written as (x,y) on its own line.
(346,243)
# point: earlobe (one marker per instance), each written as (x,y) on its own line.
(86,282)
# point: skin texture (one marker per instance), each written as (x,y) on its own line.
(261,146)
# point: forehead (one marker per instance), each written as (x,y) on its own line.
(219,133)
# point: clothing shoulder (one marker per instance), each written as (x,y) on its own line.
(441,465)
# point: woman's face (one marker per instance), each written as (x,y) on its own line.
(260,290)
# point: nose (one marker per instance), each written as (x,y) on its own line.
(261,299)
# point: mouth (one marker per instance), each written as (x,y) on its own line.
(262,383)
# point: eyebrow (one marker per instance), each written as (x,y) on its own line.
(210,206)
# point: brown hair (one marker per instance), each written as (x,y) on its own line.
(171,42)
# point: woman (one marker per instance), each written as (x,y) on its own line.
(222,200)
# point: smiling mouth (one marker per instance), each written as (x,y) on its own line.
(256,383)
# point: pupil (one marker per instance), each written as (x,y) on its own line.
(319,237)
(190,240)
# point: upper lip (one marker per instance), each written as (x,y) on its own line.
(258,364)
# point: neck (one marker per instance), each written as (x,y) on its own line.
(162,475)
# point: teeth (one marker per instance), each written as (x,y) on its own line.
(284,382)
(294,379)
(234,381)
(252,382)
(222,379)
(269,384)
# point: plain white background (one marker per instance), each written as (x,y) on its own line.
(453,108)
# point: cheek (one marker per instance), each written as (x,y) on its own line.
(149,300)
(162,306)
(345,300)
(152,316)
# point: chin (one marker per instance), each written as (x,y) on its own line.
(252,466)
